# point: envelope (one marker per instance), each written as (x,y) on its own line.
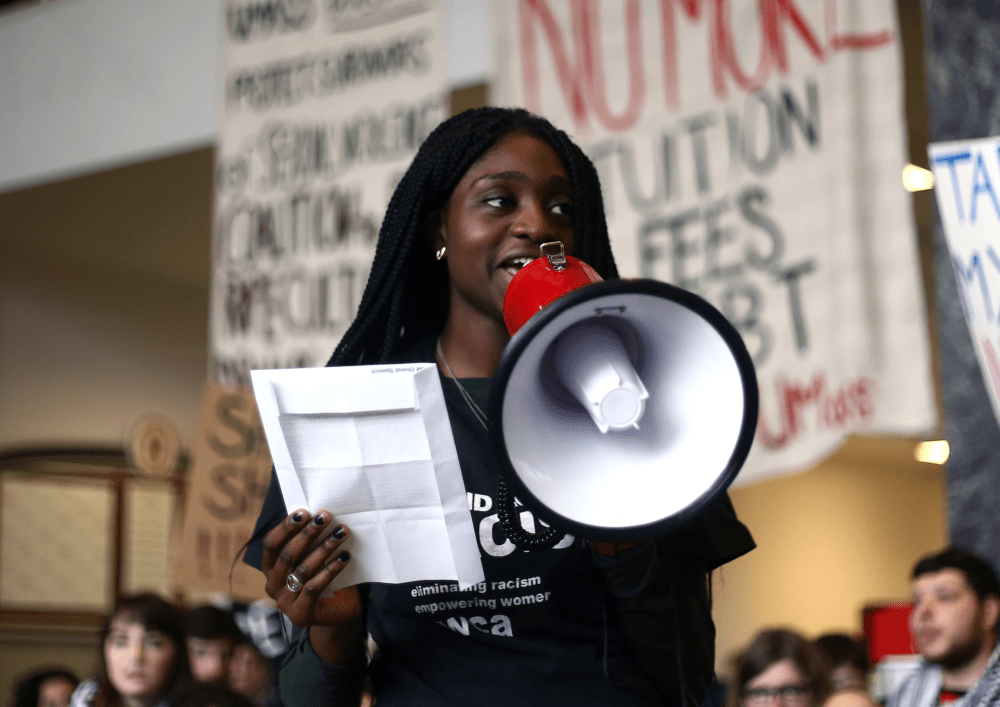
(373,446)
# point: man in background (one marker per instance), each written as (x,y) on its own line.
(956,607)
(212,634)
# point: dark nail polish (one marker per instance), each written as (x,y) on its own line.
(344,557)
(339,533)
(319,520)
(297,517)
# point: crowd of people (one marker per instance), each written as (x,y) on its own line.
(155,654)
(953,626)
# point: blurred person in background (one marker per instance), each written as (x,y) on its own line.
(212,634)
(848,661)
(780,668)
(252,675)
(143,658)
(956,607)
(51,687)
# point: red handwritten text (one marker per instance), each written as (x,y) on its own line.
(846,407)
(583,80)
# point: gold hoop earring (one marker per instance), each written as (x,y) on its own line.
(440,252)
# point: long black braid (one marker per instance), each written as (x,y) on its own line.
(407,292)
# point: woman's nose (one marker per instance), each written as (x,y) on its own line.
(533,222)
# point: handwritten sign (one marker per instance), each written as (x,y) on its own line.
(323,106)
(751,151)
(226,487)
(967,186)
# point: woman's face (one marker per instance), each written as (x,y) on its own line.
(250,672)
(516,197)
(140,660)
(55,692)
(781,685)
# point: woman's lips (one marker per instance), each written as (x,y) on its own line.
(514,265)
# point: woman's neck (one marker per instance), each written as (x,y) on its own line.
(472,348)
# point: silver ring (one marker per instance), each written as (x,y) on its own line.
(294,584)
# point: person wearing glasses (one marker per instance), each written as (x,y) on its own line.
(780,668)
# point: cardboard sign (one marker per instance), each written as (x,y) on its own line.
(227,483)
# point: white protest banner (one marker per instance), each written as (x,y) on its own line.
(323,106)
(967,187)
(751,151)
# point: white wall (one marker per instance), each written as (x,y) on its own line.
(88,84)
(91,84)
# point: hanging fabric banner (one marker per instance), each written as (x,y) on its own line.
(324,105)
(967,187)
(751,151)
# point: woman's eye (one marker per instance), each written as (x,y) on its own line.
(563,208)
(118,641)
(498,202)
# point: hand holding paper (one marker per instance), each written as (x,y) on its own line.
(373,445)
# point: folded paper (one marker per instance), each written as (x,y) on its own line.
(373,446)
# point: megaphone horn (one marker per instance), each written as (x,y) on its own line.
(619,409)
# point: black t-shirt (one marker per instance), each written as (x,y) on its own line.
(558,626)
(534,632)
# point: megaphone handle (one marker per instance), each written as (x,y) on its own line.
(513,529)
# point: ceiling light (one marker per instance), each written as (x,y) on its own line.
(917,178)
(935,452)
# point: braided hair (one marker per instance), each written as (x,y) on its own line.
(407,292)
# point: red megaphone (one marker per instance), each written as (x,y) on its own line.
(591,359)
(542,281)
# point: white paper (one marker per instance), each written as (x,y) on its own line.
(373,445)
